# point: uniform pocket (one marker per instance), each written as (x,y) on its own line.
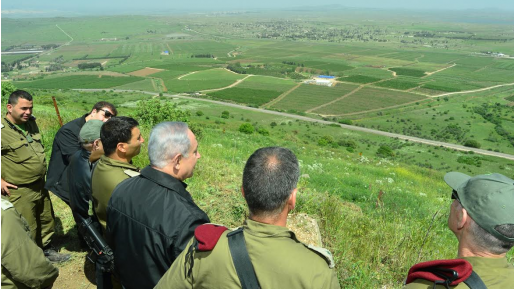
(17,152)
(37,145)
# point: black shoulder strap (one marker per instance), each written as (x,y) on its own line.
(475,282)
(241,259)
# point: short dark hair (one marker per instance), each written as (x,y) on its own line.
(17,94)
(115,130)
(101,104)
(269,177)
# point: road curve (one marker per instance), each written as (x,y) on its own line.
(350,127)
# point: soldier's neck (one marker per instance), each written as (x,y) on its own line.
(12,120)
(277,220)
(119,157)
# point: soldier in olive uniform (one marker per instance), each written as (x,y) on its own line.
(23,263)
(23,171)
(278,258)
(24,167)
(482,219)
(121,140)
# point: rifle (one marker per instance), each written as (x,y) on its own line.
(101,254)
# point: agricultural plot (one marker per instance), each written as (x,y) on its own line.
(250,96)
(267,83)
(71,52)
(370,71)
(507,64)
(145,71)
(308,96)
(77,81)
(178,85)
(407,71)
(43,32)
(332,67)
(369,99)
(144,85)
(221,74)
(438,57)
(359,79)
(409,56)
(397,84)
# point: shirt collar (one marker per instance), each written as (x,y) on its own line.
(266,230)
(165,180)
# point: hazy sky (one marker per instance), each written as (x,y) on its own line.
(117,6)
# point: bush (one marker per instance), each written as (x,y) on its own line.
(346,121)
(472,144)
(225,114)
(7,89)
(326,140)
(199,113)
(263,131)
(246,128)
(152,112)
(385,152)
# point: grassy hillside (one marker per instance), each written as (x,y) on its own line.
(377,215)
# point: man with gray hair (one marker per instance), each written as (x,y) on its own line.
(482,219)
(151,217)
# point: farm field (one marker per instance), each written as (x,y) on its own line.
(250,96)
(369,99)
(77,81)
(308,96)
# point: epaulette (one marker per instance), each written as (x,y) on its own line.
(6,204)
(324,253)
(131,173)
(207,236)
(450,272)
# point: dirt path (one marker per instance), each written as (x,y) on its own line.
(164,88)
(232,85)
(153,84)
(280,97)
(430,73)
(337,99)
(309,119)
(180,77)
(475,90)
(169,48)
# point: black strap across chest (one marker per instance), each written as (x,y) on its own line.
(241,259)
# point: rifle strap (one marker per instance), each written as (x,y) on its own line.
(241,259)
(475,282)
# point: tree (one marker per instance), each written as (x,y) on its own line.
(246,128)
(7,89)
(385,151)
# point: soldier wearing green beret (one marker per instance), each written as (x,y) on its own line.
(24,169)
(23,263)
(278,259)
(482,219)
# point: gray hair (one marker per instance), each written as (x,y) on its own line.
(167,140)
(490,243)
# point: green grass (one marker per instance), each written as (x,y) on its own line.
(397,84)
(268,83)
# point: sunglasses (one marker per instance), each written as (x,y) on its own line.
(107,113)
(455,196)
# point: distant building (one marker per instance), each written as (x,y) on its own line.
(326,76)
(165,52)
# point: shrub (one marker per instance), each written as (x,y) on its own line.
(263,131)
(346,121)
(385,151)
(199,113)
(246,128)
(472,143)
(225,114)
(152,112)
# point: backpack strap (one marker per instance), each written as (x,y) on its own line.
(475,282)
(241,259)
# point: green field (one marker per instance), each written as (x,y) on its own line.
(250,96)
(359,79)
(78,81)
(307,96)
(369,99)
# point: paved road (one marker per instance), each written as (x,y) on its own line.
(350,127)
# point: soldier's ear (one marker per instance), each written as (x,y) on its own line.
(121,146)
(9,108)
(291,202)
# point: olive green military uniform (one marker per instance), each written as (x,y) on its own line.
(24,165)
(106,176)
(23,263)
(279,260)
(496,273)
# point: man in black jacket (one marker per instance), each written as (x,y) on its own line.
(66,143)
(151,217)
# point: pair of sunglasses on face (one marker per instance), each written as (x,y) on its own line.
(107,113)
